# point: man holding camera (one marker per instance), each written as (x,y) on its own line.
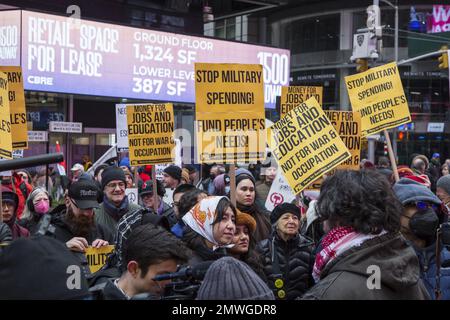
(148,252)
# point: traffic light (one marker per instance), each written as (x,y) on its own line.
(362,65)
(443,59)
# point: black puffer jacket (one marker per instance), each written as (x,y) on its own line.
(295,263)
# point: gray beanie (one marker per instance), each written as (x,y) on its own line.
(408,191)
(231,279)
(444,183)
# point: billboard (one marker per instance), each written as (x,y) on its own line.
(64,55)
(440,21)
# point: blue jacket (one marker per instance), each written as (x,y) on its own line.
(427,260)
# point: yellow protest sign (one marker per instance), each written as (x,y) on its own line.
(348,126)
(16,96)
(378,96)
(5,120)
(306,145)
(96,257)
(230,117)
(150,134)
(292,96)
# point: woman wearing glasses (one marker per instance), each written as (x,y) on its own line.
(422,215)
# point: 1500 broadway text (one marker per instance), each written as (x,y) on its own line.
(223,309)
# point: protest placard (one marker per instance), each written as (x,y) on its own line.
(292,96)
(280,192)
(378,96)
(230,119)
(348,126)
(306,145)
(18,117)
(5,119)
(96,257)
(150,133)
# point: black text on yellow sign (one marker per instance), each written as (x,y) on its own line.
(378,96)
(96,257)
(292,96)
(5,120)
(18,117)
(150,134)
(230,120)
(348,126)
(306,145)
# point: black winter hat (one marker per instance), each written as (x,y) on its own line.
(174,172)
(41,268)
(283,208)
(112,173)
(231,279)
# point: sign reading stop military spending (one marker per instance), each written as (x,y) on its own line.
(230,119)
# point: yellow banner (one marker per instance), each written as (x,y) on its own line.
(348,126)
(378,96)
(292,96)
(306,145)
(19,129)
(96,257)
(230,118)
(150,134)
(5,119)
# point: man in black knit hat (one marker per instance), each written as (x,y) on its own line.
(172,177)
(115,202)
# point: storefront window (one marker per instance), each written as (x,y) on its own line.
(313,34)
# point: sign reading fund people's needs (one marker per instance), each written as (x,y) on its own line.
(16,98)
(348,126)
(292,96)
(230,121)
(5,120)
(150,133)
(378,96)
(306,145)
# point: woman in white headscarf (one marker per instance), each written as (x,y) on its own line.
(210,228)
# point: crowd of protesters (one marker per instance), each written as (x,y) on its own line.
(364,235)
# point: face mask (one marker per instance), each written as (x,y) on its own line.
(424,224)
(212,176)
(41,207)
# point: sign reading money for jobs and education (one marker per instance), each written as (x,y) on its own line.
(378,96)
(306,145)
(16,98)
(292,96)
(230,119)
(96,257)
(5,119)
(348,126)
(150,134)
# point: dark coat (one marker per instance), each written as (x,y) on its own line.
(295,263)
(200,252)
(347,276)
(5,233)
(64,234)
(427,261)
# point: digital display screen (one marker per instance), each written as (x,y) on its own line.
(66,55)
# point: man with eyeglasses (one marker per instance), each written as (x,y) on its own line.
(420,220)
(115,202)
(76,226)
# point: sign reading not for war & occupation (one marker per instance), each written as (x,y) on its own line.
(348,126)
(150,133)
(378,96)
(5,119)
(230,119)
(306,145)
(16,98)
(292,96)
(96,257)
